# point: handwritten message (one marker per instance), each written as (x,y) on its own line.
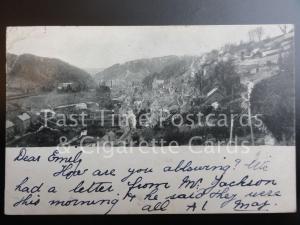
(49,181)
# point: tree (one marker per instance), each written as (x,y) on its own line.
(227,77)
(256,34)
(198,81)
(251,35)
(259,32)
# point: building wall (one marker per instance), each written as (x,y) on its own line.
(22,125)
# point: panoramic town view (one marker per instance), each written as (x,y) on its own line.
(239,93)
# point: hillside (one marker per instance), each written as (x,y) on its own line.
(28,72)
(93,71)
(137,70)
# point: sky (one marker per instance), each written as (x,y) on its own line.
(101,47)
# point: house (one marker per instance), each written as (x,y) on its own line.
(215,105)
(256,53)
(22,123)
(81,106)
(103,89)
(214,96)
(157,83)
(92,106)
(271,52)
(64,86)
(68,86)
(10,130)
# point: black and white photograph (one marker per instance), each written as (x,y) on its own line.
(137,110)
(150,85)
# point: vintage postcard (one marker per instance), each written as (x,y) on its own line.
(150,119)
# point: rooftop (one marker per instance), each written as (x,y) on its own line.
(23,116)
(8,124)
(212,91)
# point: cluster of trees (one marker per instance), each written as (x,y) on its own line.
(222,75)
(274,98)
(256,34)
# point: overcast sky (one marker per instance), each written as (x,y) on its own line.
(101,47)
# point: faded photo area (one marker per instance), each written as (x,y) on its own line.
(150,86)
